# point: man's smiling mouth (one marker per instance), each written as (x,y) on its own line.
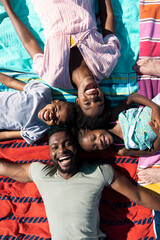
(65,161)
(61,159)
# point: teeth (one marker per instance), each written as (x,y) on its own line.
(45,115)
(90,91)
(63,158)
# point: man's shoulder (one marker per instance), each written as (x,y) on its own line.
(40,170)
(102,172)
(92,167)
(95,165)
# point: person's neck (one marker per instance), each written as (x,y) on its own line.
(66,175)
(78,78)
(116,133)
(70,174)
(80,74)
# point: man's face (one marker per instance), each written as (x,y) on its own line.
(90,98)
(55,113)
(63,152)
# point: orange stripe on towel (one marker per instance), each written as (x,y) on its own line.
(149,11)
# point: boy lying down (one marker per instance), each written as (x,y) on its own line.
(31,111)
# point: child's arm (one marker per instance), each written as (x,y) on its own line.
(140,153)
(7,135)
(11,82)
(137,194)
(148,152)
(16,171)
(107,17)
(137,98)
(27,38)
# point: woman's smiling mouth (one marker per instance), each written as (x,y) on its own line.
(91,88)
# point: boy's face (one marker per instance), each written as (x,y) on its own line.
(55,113)
(90,98)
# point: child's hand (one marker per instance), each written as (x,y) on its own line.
(155,127)
(155,117)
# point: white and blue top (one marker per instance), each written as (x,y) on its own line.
(137,133)
(19,110)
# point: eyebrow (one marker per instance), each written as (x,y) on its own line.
(87,108)
(53,144)
(100,105)
(67,139)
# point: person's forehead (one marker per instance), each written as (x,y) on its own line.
(64,107)
(60,137)
(62,103)
(94,110)
(57,103)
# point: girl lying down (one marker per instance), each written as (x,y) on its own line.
(132,132)
(31,111)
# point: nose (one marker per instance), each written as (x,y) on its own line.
(99,144)
(53,115)
(94,94)
(61,149)
(94,98)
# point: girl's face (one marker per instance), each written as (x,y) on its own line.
(94,139)
(55,113)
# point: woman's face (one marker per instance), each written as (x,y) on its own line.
(90,97)
(94,139)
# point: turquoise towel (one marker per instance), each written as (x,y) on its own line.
(127,30)
(13,55)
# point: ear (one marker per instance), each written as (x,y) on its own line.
(55,101)
(77,100)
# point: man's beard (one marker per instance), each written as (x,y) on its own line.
(67,171)
(75,166)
